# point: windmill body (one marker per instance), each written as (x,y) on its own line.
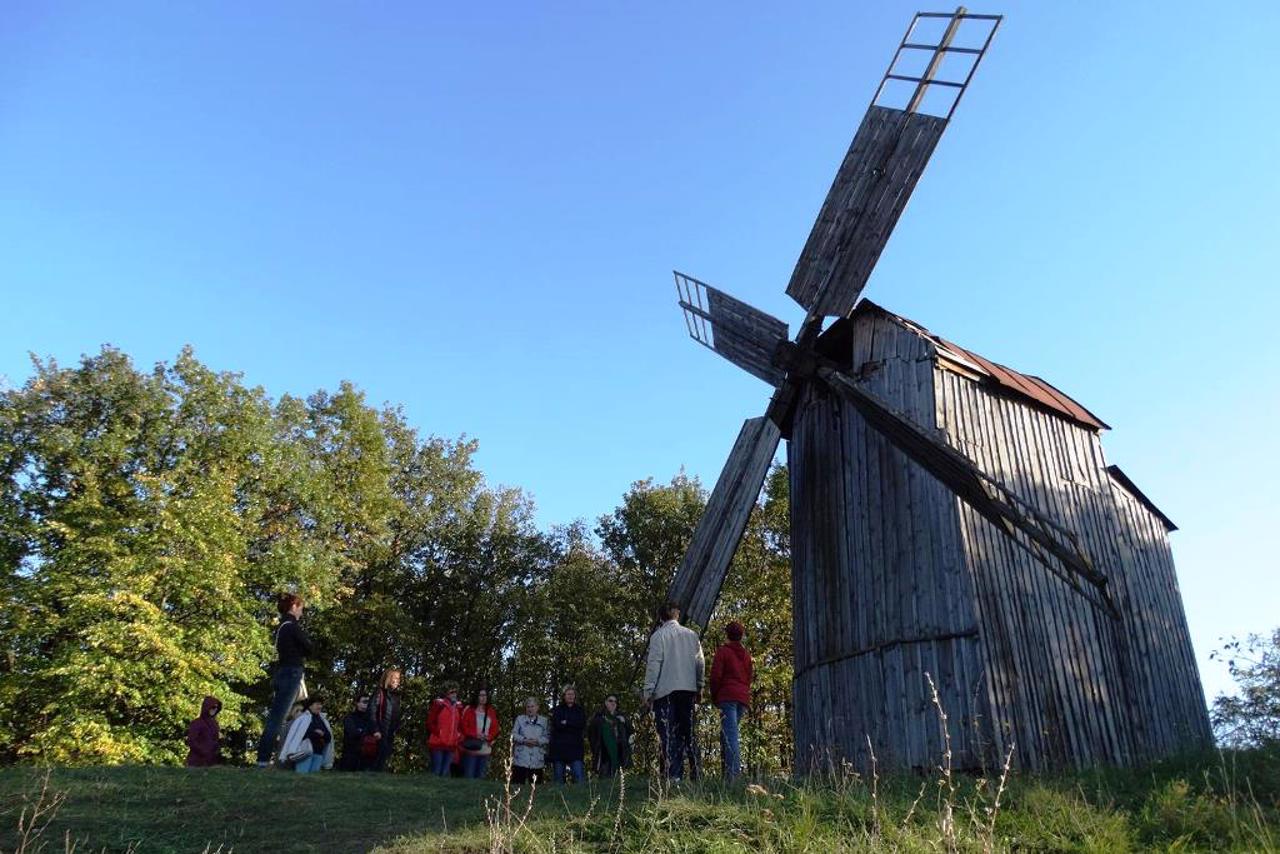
(894,576)
(954,525)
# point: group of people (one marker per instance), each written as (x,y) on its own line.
(674,679)
(460,737)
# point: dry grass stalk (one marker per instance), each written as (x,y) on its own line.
(989,832)
(504,823)
(617,817)
(875,790)
(36,817)
(912,811)
(947,820)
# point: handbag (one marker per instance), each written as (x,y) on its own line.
(369,747)
(472,745)
(304,751)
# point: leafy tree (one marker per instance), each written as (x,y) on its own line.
(1250,717)
(128,498)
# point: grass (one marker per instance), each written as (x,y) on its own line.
(1210,802)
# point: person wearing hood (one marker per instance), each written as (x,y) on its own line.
(309,744)
(731,673)
(202,735)
(359,746)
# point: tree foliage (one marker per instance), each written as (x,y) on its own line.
(1250,717)
(149,518)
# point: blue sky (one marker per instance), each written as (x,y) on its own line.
(473,211)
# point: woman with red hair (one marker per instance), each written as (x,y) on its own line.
(731,672)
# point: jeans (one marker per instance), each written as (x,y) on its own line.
(575,767)
(731,713)
(286,683)
(314,762)
(440,762)
(673,718)
(474,766)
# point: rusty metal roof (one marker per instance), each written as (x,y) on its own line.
(1026,386)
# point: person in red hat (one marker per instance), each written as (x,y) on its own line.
(731,672)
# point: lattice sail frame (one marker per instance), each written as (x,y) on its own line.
(884,162)
(744,335)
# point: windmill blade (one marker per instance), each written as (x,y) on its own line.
(889,152)
(697,583)
(742,334)
(1044,538)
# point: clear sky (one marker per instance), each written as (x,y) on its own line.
(473,210)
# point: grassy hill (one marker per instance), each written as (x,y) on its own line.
(1213,802)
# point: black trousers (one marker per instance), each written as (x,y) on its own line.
(520,776)
(673,717)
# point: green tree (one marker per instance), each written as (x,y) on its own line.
(1251,716)
(128,499)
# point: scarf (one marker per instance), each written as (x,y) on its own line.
(609,735)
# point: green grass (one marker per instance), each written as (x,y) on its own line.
(1210,802)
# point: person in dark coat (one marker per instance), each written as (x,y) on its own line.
(202,735)
(292,648)
(359,745)
(731,674)
(568,722)
(609,734)
(385,711)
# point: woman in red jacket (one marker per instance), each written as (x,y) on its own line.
(444,730)
(479,729)
(731,672)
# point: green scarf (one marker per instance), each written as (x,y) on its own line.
(609,736)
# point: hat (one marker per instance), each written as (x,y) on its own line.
(734,630)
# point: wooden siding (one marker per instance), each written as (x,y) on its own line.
(882,594)
(895,576)
(1169,686)
(1072,687)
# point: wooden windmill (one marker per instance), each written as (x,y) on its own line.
(949,516)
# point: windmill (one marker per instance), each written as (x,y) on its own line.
(932,529)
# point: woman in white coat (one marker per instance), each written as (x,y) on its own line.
(309,744)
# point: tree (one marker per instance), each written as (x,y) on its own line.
(1250,717)
(128,499)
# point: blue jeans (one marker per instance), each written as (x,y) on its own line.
(440,762)
(575,767)
(314,762)
(285,683)
(730,713)
(473,766)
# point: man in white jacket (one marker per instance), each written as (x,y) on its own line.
(673,680)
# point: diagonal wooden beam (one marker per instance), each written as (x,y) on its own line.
(1052,544)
